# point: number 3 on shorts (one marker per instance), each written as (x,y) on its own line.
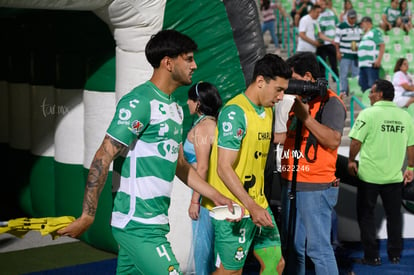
(242,238)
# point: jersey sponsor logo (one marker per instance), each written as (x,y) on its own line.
(258,154)
(167,149)
(177,131)
(249,182)
(136,127)
(163,129)
(227,128)
(123,117)
(264,136)
(133,103)
(124,114)
(161,109)
(231,115)
(239,255)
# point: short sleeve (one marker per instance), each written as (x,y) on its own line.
(334,114)
(399,79)
(282,109)
(231,125)
(131,117)
(360,129)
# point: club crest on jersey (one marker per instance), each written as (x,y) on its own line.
(239,254)
(136,127)
(172,270)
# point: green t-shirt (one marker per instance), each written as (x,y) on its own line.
(385,131)
(392,14)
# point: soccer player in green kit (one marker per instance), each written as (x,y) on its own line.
(145,140)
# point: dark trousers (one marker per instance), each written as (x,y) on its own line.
(328,51)
(366,200)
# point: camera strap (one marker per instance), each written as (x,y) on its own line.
(311,141)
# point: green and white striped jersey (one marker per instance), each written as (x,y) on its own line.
(345,36)
(149,123)
(368,49)
(327,22)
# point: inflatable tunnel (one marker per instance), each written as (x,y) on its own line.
(65,64)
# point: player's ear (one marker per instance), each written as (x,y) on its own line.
(260,81)
(166,62)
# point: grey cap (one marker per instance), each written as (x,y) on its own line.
(352,13)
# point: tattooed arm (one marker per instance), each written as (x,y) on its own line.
(98,173)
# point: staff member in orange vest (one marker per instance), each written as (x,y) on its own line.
(322,119)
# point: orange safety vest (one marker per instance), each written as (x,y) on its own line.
(322,170)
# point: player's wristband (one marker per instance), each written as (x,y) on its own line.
(195,202)
(409,168)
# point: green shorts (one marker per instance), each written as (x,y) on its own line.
(233,240)
(144,249)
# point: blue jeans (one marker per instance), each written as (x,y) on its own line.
(312,231)
(367,77)
(347,66)
(203,243)
(270,26)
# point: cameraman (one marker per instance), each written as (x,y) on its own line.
(322,118)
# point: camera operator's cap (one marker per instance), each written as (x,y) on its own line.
(366,19)
(352,13)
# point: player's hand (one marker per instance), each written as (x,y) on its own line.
(222,200)
(260,216)
(78,227)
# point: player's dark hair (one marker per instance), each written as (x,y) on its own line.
(169,43)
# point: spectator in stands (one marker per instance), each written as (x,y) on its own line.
(370,52)
(269,20)
(347,7)
(327,22)
(309,31)
(406,16)
(391,17)
(382,135)
(301,8)
(332,8)
(348,36)
(403,84)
